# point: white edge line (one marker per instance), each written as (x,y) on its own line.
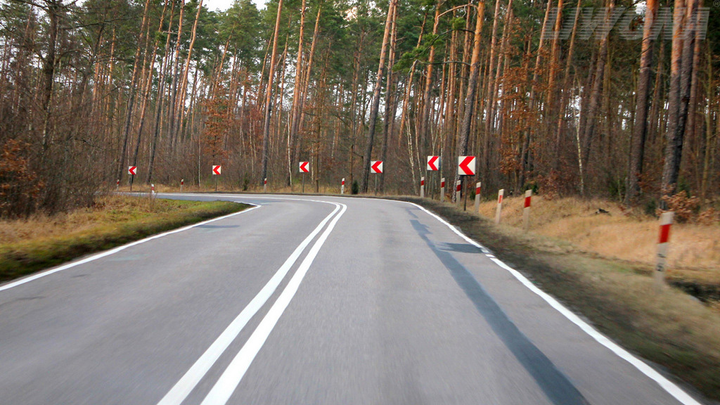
(202,365)
(234,373)
(670,387)
(116,250)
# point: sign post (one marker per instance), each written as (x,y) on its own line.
(498,211)
(666,220)
(216,171)
(304,168)
(132,171)
(526,210)
(376,167)
(433,165)
(342,186)
(442,189)
(478,188)
(466,167)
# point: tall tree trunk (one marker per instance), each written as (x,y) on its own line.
(376,99)
(641,108)
(131,95)
(295,115)
(681,71)
(472,86)
(566,90)
(268,100)
(389,98)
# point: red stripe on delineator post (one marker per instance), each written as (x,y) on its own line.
(526,210)
(498,211)
(664,233)
(442,189)
(666,220)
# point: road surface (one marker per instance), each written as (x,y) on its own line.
(306,300)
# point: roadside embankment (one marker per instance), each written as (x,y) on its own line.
(32,244)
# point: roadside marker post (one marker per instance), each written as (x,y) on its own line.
(182,183)
(265,185)
(422,187)
(152,191)
(458,189)
(478,188)
(117,185)
(342,186)
(526,210)
(216,171)
(666,220)
(442,190)
(498,212)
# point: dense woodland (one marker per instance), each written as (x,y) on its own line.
(90,88)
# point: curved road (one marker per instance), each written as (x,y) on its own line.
(306,300)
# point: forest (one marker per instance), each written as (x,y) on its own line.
(596,98)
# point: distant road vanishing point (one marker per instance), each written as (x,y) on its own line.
(306,300)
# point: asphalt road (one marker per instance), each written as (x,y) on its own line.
(306,300)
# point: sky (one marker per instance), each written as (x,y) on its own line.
(225,4)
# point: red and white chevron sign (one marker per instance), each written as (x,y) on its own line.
(433,162)
(466,165)
(304,167)
(132,170)
(376,166)
(217,169)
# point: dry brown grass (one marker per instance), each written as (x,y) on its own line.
(42,241)
(618,235)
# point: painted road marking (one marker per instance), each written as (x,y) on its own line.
(197,371)
(234,373)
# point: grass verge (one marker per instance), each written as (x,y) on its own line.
(27,246)
(669,328)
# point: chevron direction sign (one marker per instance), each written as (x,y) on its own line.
(132,170)
(304,167)
(433,163)
(466,165)
(217,169)
(376,166)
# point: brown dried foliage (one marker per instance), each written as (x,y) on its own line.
(19,185)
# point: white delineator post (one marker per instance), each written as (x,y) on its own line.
(117,185)
(526,210)
(182,183)
(666,220)
(478,189)
(442,190)
(458,190)
(422,187)
(498,212)
(152,190)
(265,185)
(342,186)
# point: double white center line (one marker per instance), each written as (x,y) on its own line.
(231,377)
